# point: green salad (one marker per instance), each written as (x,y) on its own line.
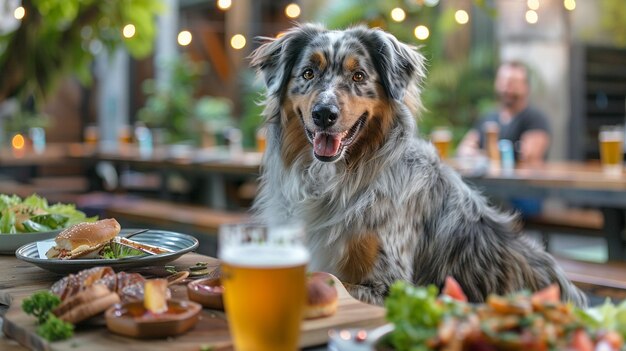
(424,321)
(34,215)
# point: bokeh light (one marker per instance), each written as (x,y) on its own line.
(128,31)
(224,4)
(461,16)
(569,4)
(19,13)
(238,41)
(292,10)
(533,4)
(184,38)
(421,32)
(398,14)
(532,17)
(18,141)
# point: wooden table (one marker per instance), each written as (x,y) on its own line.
(214,165)
(576,183)
(20,279)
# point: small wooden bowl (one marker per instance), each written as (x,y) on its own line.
(132,319)
(208,292)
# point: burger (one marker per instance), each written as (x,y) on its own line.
(84,240)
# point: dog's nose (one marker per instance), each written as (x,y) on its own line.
(325,115)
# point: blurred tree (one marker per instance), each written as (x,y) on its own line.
(60,37)
(460,58)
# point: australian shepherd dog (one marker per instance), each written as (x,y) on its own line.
(379,206)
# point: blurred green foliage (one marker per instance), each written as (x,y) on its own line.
(252,115)
(174,107)
(59,37)
(458,90)
(614,19)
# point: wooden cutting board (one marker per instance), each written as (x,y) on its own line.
(19,280)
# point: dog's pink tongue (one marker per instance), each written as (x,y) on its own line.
(326,145)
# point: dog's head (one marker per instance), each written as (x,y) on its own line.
(336,88)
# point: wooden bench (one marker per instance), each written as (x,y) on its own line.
(602,279)
(569,221)
(168,214)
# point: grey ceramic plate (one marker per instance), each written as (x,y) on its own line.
(11,242)
(177,242)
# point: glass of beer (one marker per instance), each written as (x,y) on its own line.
(91,134)
(441,137)
(612,149)
(264,278)
(261,139)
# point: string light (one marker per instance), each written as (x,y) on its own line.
(238,41)
(224,4)
(128,31)
(533,4)
(569,4)
(19,13)
(18,141)
(184,38)
(292,10)
(532,17)
(421,32)
(461,17)
(398,14)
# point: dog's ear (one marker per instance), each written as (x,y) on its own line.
(398,65)
(275,58)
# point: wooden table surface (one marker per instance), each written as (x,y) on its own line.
(576,183)
(20,279)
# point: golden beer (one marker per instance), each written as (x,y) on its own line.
(264,282)
(492,132)
(91,135)
(442,140)
(261,140)
(611,150)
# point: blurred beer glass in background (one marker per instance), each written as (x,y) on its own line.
(264,278)
(612,149)
(91,134)
(125,134)
(441,137)
(261,139)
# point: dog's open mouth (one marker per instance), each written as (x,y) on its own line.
(328,147)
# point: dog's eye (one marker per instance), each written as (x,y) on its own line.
(308,74)
(358,76)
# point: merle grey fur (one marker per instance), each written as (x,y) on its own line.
(428,223)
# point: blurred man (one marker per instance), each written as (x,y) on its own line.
(526,127)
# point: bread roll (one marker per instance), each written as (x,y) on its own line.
(86,304)
(322,296)
(83,239)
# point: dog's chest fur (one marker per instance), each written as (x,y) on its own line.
(352,216)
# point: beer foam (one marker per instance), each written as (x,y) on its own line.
(612,135)
(264,255)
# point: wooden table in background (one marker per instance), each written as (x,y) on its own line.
(20,279)
(573,182)
(216,165)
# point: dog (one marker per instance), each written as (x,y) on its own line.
(379,206)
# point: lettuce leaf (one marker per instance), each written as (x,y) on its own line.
(7,222)
(415,313)
(607,316)
(7,201)
(57,216)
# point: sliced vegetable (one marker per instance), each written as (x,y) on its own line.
(453,289)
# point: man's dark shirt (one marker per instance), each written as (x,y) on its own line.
(529,119)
